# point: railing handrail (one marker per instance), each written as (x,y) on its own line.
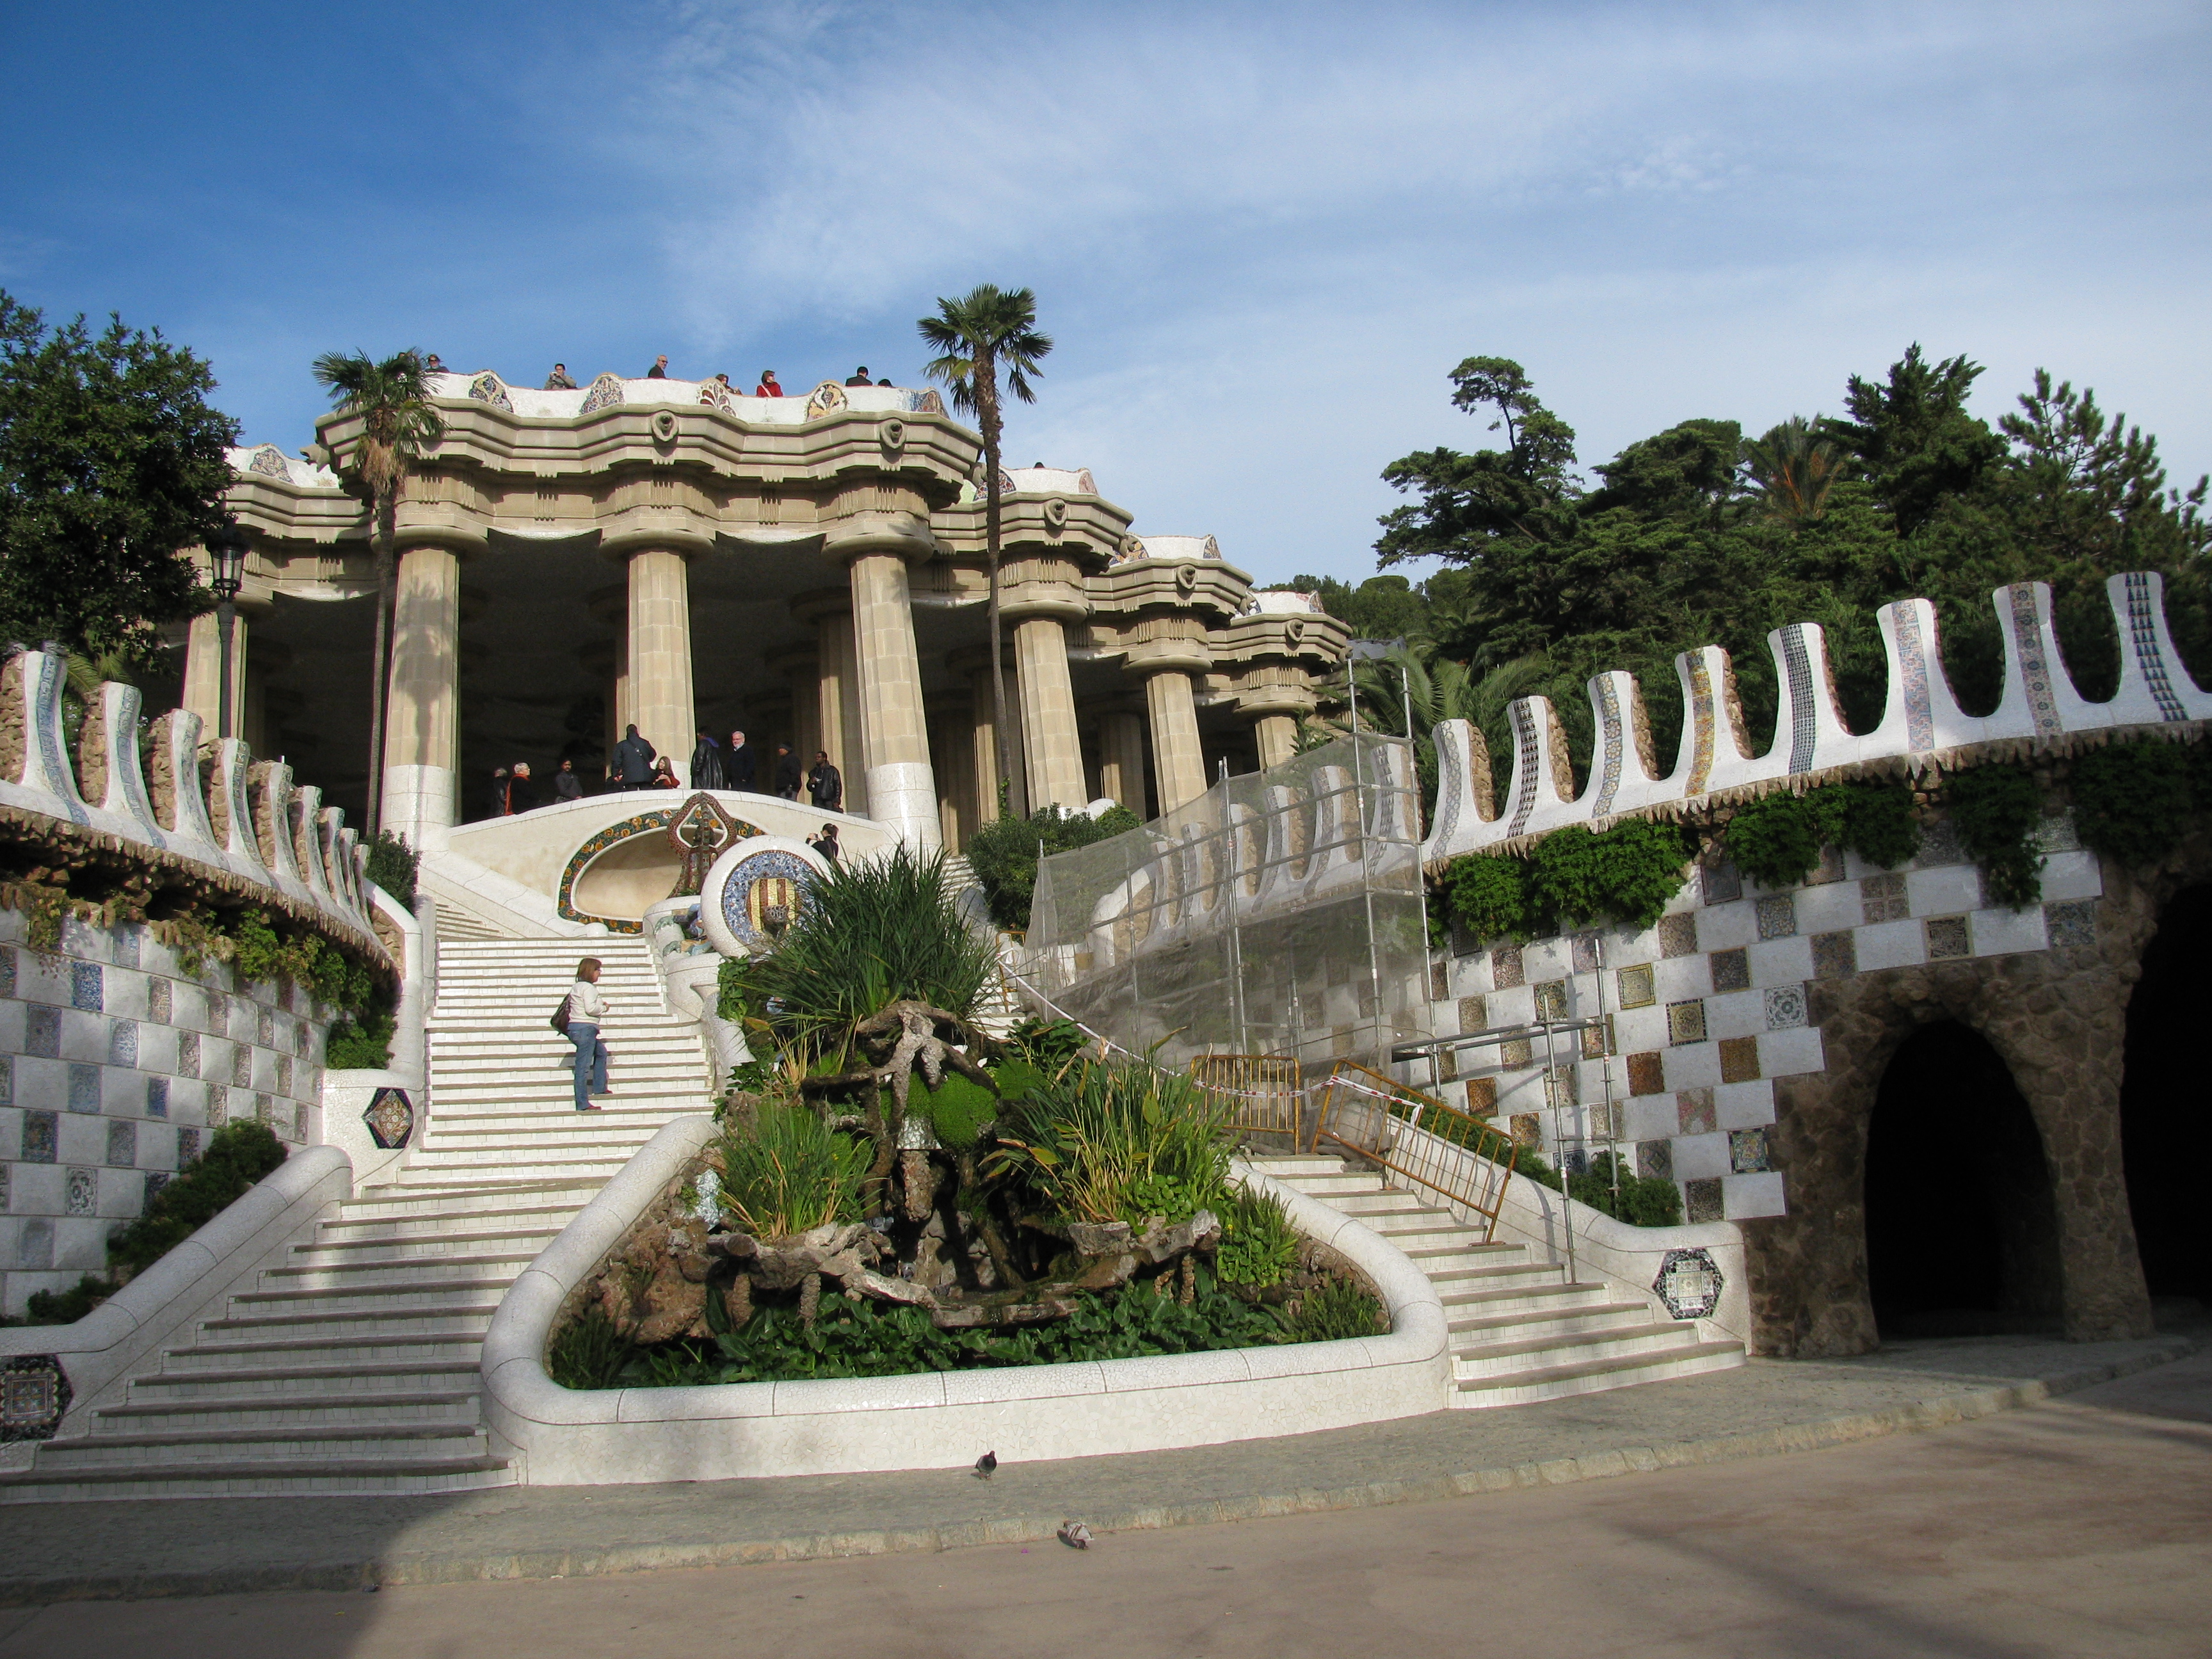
(1477,1184)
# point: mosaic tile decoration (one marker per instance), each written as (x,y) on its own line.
(85,987)
(1561,1087)
(1702,1201)
(2143,640)
(188,1146)
(1777,916)
(2073,926)
(1524,763)
(1685,1022)
(1646,1074)
(1655,1160)
(83,1192)
(1585,953)
(1597,1040)
(156,1180)
(1826,868)
(1835,955)
(2035,668)
(1882,898)
(1748,1151)
(34,1397)
(7,972)
(1731,969)
(1738,1060)
(390,1118)
(218,1105)
(188,1053)
(42,1031)
(7,1079)
(1611,742)
(1636,989)
(157,1097)
(1678,935)
(1938,845)
(1720,884)
(1518,1052)
(123,1044)
(83,1088)
(1505,971)
(1551,999)
(1689,1283)
(1804,729)
(1948,938)
(1439,981)
(1785,1008)
(1701,721)
(122,1142)
(41,1130)
(157,1002)
(644,823)
(1482,1096)
(1912,668)
(1527,1131)
(1473,1014)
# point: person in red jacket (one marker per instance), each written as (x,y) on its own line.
(767,388)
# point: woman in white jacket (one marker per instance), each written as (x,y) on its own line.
(587,1008)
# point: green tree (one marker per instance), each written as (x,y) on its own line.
(1791,469)
(1912,437)
(1469,504)
(392,398)
(111,464)
(985,330)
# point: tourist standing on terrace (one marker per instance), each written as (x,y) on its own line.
(859,377)
(566,785)
(663,775)
(633,763)
(521,791)
(583,1012)
(787,772)
(707,764)
(826,842)
(824,787)
(742,766)
(498,793)
(558,381)
(767,388)
(660,369)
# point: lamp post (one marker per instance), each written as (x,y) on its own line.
(227,575)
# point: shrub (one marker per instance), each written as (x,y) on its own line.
(1259,1246)
(1997,811)
(391,865)
(1777,839)
(237,1155)
(2133,801)
(361,1042)
(1625,875)
(1642,1200)
(1107,1142)
(589,1352)
(1004,853)
(1341,1309)
(791,1171)
(1490,896)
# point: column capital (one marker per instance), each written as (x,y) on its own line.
(631,537)
(461,540)
(816,603)
(902,535)
(1151,657)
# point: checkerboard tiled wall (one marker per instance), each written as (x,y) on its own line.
(1708,1007)
(114,1064)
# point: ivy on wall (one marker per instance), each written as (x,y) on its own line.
(2133,801)
(1997,811)
(1777,839)
(1625,875)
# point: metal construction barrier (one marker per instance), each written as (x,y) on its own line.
(1460,1157)
(1264,1093)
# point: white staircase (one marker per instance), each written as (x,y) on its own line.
(1520,1330)
(352,1367)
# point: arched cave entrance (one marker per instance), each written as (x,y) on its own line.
(1962,1230)
(2162,1100)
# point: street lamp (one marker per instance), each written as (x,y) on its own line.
(227,575)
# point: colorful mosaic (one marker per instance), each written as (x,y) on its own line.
(1610,741)
(2142,638)
(1524,764)
(1947,937)
(1804,723)
(1689,1282)
(2034,667)
(1637,987)
(627,830)
(390,1119)
(269,461)
(487,389)
(1912,667)
(1701,721)
(606,392)
(34,1395)
(762,895)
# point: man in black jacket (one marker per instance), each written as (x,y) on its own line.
(824,788)
(743,766)
(787,772)
(634,761)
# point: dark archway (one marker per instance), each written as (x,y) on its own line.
(1962,1230)
(2163,1097)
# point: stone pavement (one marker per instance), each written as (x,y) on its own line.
(213,1546)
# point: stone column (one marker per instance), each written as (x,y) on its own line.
(801,668)
(982,749)
(1178,761)
(1277,737)
(1121,760)
(203,672)
(901,791)
(660,692)
(838,708)
(422,727)
(1052,749)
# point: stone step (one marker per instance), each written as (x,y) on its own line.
(430,1206)
(236,1370)
(1472,1328)
(153,1450)
(249,1478)
(249,1410)
(1504,1296)
(424,1246)
(1595,1376)
(358,1328)
(466,1170)
(421,1269)
(1493,1358)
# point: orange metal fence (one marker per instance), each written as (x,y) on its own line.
(1461,1156)
(1264,1093)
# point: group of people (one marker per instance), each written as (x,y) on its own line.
(558,381)
(514,789)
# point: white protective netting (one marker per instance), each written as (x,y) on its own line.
(1277,914)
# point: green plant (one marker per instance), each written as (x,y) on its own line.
(1004,853)
(790,1171)
(361,1041)
(1049,1045)
(1776,840)
(2133,801)
(1114,1142)
(957,1109)
(236,1155)
(870,932)
(1641,1200)
(589,1352)
(392,865)
(1259,1246)
(1336,1312)
(1625,875)
(730,990)
(67,1307)
(1997,811)
(1490,896)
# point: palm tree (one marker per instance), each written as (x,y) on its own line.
(975,335)
(393,397)
(1793,468)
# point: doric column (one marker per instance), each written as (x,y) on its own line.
(1178,761)
(1052,749)
(1277,737)
(901,791)
(203,672)
(801,668)
(836,715)
(660,692)
(982,749)
(422,726)
(1121,760)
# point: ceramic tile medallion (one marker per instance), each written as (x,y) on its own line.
(2071,926)
(1785,1008)
(1738,1060)
(1720,883)
(1882,898)
(1777,916)
(762,895)
(1637,987)
(1473,1015)
(1748,1151)
(1835,955)
(1646,1074)
(1655,1160)
(1685,1022)
(83,1192)
(1731,969)
(1482,1096)
(1948,938)
(34,1395)
(1702,1201)
(1505,967)
(1690,1282)
(390,1118)
(1678,935)
(1528,1130)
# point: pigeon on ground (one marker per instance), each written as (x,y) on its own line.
(986,1464)
(1075,1534)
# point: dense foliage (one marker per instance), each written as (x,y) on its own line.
(1004,854)
(2134,801)
(111,464)
(788,1170)
(1625,875)
(1107,1142)
(392,865)
(1777,839)
(236,1155)
(1997,811)
(1696,536)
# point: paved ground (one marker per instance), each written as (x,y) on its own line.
(59,1551)
(2078,1526)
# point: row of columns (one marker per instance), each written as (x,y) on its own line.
(857,695)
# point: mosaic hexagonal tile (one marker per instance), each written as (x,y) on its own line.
(1646,1074)
(2071,926)
(1835,955)
(1636,987)
(1748,1151)
(1731,969)
(1685,1022)
(1785,1008)
(1777,916)
(1738,1060)
(1717,883)
(1678,935)
(1701,1200)
(1505,967)
(1948,938)
(1689,1283)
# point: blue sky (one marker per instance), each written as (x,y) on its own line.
(1262,233)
